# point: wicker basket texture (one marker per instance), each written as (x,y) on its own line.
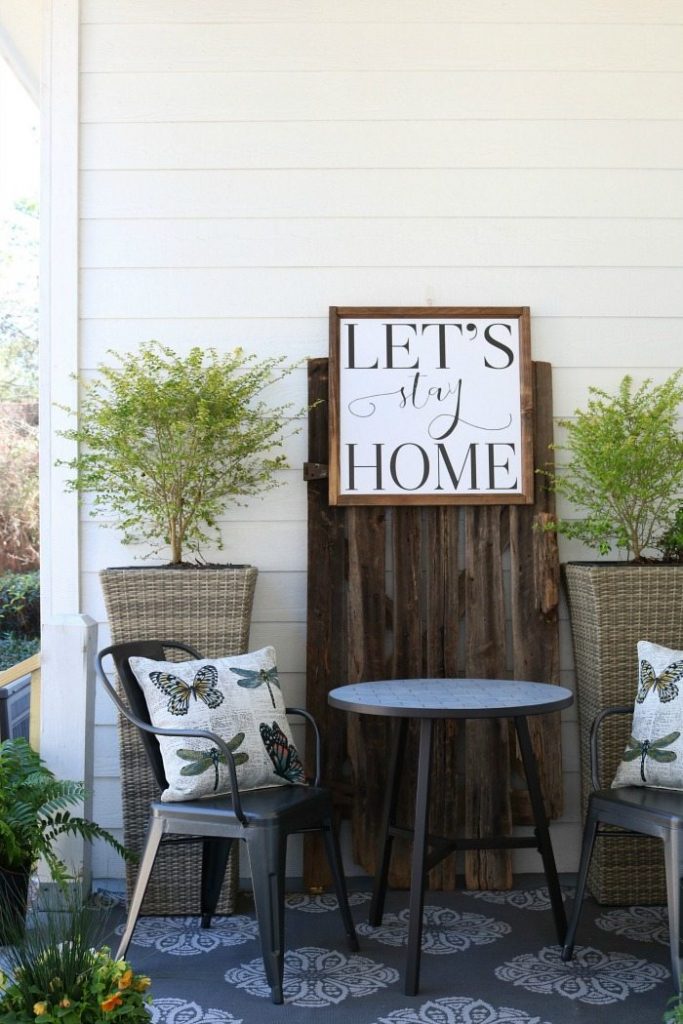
(209,608)
(613,606)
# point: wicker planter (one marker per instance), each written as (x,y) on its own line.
(612,606)
(209,608)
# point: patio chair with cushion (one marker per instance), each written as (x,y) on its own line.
(639,809)
(262,818)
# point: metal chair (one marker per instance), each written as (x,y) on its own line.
(263,819)
(638,809)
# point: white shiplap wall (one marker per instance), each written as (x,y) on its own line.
(244,166)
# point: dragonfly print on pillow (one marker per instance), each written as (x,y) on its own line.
(650,748)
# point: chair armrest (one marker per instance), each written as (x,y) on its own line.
(621,709)
(190,733)
(318,756)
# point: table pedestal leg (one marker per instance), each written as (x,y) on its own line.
(542,833)
(417,873)
(379,889)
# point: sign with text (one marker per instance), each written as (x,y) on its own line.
(430,406)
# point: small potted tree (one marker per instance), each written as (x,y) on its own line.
(166,442)
(621,467)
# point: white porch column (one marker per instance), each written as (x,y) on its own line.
(68,638)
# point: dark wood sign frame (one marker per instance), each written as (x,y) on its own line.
(430,396)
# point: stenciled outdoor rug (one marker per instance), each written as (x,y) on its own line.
(488,958)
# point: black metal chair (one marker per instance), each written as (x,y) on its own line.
(641,810)
(263,819)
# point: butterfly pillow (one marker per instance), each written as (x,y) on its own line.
(240,699)
(654,751)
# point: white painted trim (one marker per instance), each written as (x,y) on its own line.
(19,65)
(68,638)
(67,704)
(59,303)
(20,41)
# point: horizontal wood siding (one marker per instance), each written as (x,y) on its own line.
(245,166)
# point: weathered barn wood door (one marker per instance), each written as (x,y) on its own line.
(438,591)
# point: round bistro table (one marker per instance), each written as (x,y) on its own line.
(428,700)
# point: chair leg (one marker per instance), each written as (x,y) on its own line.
(336,866)
(673,898)
(267,850)
(589,833)
(154,833)
(215,853)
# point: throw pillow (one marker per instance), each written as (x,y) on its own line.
(654,752)
(240,699)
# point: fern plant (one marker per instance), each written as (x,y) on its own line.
(34,812)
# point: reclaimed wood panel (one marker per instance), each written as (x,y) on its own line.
(367,736)
(487,796)
(325,637)
(535,598)
(440,591)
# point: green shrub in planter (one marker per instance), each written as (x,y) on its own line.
(166,442)
(624,472)
(671,541)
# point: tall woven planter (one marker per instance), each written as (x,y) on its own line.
(210,609)
(612,607)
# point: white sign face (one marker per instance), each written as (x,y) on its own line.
(430,409)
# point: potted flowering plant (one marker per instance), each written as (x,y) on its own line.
(57,976)
(103,990)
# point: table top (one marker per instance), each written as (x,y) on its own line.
(450,698)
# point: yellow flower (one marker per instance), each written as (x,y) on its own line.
(111,1002)
(126,979)
(143,983)
(65,1002)
(39,1009)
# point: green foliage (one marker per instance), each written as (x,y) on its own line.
(671,541)
(674,1012)
(20,603)
(15,648)
(19,527)
(19,617)
(167,442)
(625,468)
(34,812)
(19,537)
(58,976)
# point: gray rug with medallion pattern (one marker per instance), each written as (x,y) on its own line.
(488,958)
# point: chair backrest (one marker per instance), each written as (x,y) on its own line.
(594,740)
(121,655)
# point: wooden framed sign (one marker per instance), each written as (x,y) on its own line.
(430,406)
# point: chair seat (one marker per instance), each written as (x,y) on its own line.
(261,806)
(643,809)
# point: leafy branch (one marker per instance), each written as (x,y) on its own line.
(166,442)
(625,466)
